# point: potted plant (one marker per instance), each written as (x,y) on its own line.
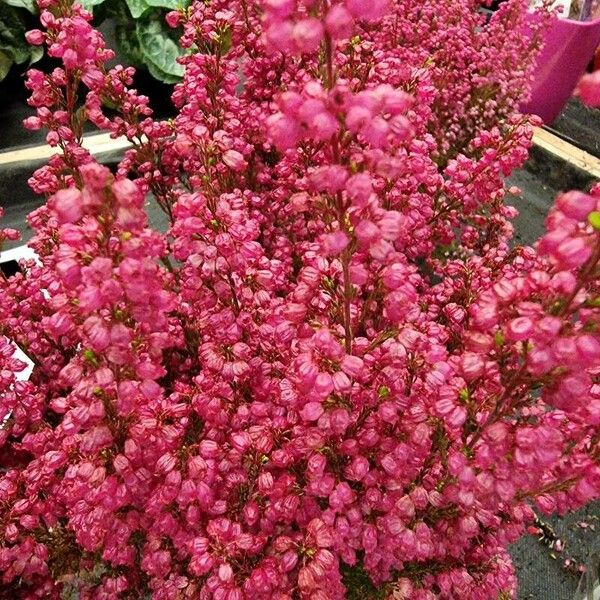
(332,377)
(569,47)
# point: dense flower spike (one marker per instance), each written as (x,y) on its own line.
(332,376)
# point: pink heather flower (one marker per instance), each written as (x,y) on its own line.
(520,329)
(576,205)
(588,349)
(335,243)
(375,132)
(324,125)
(280,36)
(370,10)
(325,364)
(329,179)
(573,252)
(396,102)
(308,34)
(284,131)
(68,205)
(353,366)
(173,17)
(311,411)
(281,8)
(359,188)
(35,37)
(339,22)
(33,123)
(588,89)
(357,118)
(234,160)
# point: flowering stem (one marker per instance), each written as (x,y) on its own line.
(346,256)
(587,270)
(511,386)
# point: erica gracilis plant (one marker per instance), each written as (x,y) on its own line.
(333,376)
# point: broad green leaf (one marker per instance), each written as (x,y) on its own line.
(36,54)
(128,44)
(160,75)
(89,4)
(137,7)
(169,4)
(12,34)
(159,49)
(6,62)
(29,5)
(18,54)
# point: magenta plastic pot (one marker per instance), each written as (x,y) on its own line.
(568,49)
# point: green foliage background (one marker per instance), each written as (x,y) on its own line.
(144,39)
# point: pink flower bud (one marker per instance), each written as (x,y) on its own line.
(308,34)
(353,366)
(391,225)
(68,205)
(241,441)
(323,385)
(576,205)
(589,89)
(35,37)
(573,252)
(396,102)
(173,17)
(234,160)
(289,561)
(375,132)
(280,8)
(225,573)
(367,232)
(280,36)
(369,10)
(519,329)
(339,22)
(335,243)
(284,131)
(32,123)
(357,118)
(329,179)
(588,349)
(311,411)
(359,189)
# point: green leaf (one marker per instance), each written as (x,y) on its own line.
(12,34)
(36,54)
(169,4)
(594,219)
(128,44)
(137,7)
(6,62)
(29,5)
(159,49)
(89,4)
(159,74)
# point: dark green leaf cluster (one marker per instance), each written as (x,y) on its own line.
(143,37)
(16,17)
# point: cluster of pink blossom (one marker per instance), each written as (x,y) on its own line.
(332,377)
